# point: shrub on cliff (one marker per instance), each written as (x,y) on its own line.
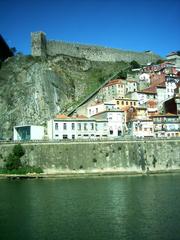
(122,75)
(134,64)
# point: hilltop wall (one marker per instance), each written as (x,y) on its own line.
(97,156)
(43,47)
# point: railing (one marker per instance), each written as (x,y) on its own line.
(120,139)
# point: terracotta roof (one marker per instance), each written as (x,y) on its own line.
(114,82)
(79,117)
(114,110)
(151,101)
(165,115)
(151,89)
(61,116)
(161,85)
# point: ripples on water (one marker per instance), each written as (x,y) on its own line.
(111,208)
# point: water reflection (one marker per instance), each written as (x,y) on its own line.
(97,208)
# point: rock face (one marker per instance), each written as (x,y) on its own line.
(34,89)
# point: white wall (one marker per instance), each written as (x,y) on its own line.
(116,121)
(37,132)
(143,129)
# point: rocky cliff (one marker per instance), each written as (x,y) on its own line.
(34,89)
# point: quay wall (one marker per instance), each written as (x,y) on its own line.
(96,156)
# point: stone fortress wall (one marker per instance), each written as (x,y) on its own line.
(43,47)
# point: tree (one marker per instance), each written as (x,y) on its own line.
(14,158)
(134,64)
(159,61)
(122,75)
(18,150)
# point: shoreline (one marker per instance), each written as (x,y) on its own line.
(72,175)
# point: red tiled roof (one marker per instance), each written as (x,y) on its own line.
(61,116)
(114,82)
(165,115)
(151,89)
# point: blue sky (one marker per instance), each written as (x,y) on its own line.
(134,25)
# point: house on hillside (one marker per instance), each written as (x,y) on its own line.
(115,122)
(131,86)
(76,127)
(174,58)
(101,107)
(141,128)
(166,125)
(113,89)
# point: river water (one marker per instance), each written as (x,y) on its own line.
(112,208)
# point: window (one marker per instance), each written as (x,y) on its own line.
(145,129)
(126,103)
(134,103)
(118,102)
(131,103)
(92,126)
(73,126)
(65,136)
(57,135)
(96,110)
(140,128)
(89,111)
(73,136)
(56,126)
(79,126)
(119,132)
(122,102)
(64,126)
(85,126)
(111,132)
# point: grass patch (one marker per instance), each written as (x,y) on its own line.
(22,170)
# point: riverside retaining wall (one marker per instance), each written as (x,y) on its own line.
(91,156)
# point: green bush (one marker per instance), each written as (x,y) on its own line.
(18,150)
(122,75)
(13,162)
(134,64)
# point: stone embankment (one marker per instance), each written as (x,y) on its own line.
(99,158)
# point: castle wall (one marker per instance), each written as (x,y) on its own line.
(41,47)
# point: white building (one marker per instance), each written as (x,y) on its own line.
(113,89)
(131,86)
(174,58)
(28,132)
(170,88)
(144,95)
(141,128)
(166,125)
(116,122)
(101,107)
(80,127)
(145,77)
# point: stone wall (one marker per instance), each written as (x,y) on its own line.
(91,156)
(41,47)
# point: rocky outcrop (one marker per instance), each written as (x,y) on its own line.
(34,89)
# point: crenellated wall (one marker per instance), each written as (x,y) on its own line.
(43,47)
(98,156)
